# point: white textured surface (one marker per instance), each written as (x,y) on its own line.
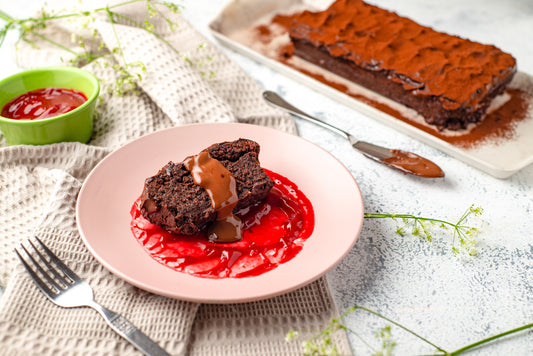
(451,301)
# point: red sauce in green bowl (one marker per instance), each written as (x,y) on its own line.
(43,103)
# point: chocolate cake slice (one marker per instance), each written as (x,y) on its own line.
(449,80)
(172,200)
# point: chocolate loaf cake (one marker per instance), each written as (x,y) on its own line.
(449,80)
(172,200)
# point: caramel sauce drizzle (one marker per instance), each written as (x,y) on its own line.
(221,187)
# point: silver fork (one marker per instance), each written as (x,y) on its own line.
(63,287)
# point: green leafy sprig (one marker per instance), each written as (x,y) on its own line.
(322,344)
(463,238)
(91,46)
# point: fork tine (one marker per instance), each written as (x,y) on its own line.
(51,268)
(38,265)
(70,273)
(42,286)
(80,294)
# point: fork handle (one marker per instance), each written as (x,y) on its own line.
(128,331)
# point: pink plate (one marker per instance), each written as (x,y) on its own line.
(105,199)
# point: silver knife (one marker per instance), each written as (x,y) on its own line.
(406,162)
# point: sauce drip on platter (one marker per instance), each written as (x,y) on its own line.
(273,232)
(43,103)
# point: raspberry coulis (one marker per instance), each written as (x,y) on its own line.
(43,103)
(273,232)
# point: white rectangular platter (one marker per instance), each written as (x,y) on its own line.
(500,158)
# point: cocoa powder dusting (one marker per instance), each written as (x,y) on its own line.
(426,62)
(497,125)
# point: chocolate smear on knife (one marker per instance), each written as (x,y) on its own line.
(413,164)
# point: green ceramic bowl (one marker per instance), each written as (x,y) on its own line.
(75,125)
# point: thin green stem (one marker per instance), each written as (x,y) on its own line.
(3,33)
(53,42)
(400,326)
(407,216)
(162,15)
(122,4)
(419,225)
(343,315)
(63,16)
(489,339)
(110,15)
(360,338)
(6,17)
(440,350)
(33,25)
(138,24)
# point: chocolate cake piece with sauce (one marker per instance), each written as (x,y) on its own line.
(172,200)
(449,80)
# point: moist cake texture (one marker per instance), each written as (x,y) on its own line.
(449,80)
(172,200)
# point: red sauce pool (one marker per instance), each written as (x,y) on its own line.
(274,231)
(43,103)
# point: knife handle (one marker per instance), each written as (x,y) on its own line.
(276,100)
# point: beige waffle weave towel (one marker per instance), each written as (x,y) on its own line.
(38,192)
